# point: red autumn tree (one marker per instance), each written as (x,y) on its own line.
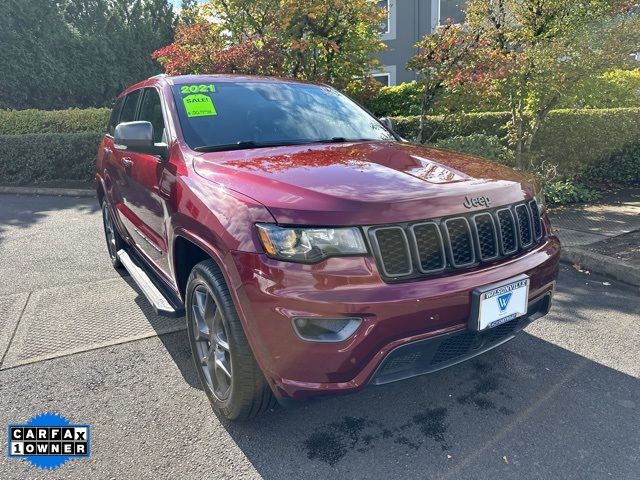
(330,41)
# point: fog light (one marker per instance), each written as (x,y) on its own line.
(320,329)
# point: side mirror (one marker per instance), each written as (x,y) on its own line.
(387,123)
(138,137)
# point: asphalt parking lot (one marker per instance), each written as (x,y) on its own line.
(560,401)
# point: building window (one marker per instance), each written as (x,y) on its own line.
(386,75)
(388,26)
(451,11)
(384,27)
(383,78)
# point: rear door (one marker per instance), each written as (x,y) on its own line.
(144,200)
(106,159)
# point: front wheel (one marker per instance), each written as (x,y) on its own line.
(226,366)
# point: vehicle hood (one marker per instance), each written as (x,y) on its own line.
(364,183)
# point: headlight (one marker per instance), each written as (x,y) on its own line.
(310,245)
(541,202)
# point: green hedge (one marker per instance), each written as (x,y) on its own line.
(579,139)
(621,167)
(403,99)
(575,140)
(587,144)
(613,89)
(20,122)
(48,158)
(446,126)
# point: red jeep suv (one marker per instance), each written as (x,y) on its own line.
(312,250)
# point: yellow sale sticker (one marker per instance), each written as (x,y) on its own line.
(199,105)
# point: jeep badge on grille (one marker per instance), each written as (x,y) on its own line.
(476,202)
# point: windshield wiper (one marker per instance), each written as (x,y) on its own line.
(345,140)
(244,144)
(247,144)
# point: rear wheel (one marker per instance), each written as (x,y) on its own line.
(226,366)
(114,240)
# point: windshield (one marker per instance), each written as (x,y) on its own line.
(224,115)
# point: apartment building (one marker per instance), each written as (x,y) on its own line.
(406,23)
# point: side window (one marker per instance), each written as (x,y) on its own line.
(151,111)
(129,109)
(115,113)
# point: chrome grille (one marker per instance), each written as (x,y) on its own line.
(412,250)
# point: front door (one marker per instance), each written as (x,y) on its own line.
(144,200)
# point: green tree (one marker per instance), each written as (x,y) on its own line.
(78,53)
(189,12)
(542,48)
(441,63)
(330,41)
(528,54)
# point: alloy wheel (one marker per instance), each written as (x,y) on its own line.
(211,339)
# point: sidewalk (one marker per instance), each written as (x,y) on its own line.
(603,237)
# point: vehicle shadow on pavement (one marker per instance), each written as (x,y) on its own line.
(528,407)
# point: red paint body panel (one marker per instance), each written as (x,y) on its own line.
(272,293)
(214,200)
(361,184)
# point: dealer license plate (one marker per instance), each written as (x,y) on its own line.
(502,303)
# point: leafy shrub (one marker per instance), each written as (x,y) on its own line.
(575,140)
(486,146)
(445,126)
(48,157)
(613,89)
(621,167)
(565,191)
(18,122)
(398,100)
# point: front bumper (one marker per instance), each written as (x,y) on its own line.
(397,318)
(442,351)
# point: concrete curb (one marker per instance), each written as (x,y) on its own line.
(61,192)
(597,263)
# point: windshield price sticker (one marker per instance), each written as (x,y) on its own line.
(203,88)
(199,105)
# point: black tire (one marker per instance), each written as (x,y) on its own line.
(223,358)
(114,240)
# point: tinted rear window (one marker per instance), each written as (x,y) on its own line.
(230,112)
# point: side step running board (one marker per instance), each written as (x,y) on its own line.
(160,303)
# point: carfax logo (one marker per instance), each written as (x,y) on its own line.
(48,440)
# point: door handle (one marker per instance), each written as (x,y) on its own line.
(107,151)
(126,162)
